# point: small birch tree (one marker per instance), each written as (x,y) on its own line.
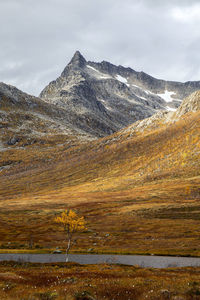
(71,223)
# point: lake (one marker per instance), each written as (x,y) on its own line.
(145,261)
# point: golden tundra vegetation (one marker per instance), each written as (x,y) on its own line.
(60,281)
(138,191)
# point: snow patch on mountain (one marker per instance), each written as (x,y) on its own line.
(167,96)
(122,79)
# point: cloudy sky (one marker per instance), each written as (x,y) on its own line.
(39,37)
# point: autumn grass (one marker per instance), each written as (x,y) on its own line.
(172,229)
(139,194)
(77,282)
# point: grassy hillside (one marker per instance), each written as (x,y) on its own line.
(139,187)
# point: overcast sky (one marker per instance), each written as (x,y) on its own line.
(39,37)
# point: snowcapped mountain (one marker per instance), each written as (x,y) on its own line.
(107,97)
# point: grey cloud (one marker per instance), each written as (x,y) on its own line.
(38,38)
(161,3)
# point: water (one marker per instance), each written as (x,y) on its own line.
(144,261)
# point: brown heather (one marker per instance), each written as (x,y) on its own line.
(143,189)
(96,282)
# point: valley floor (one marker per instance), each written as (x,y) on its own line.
(159,226)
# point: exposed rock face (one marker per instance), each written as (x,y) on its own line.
(190,104)
(105,98)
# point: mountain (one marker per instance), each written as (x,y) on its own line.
(109,98)
(46,130)
(163,118)
(89,100)
(26,120)
(138,188)
(164,146)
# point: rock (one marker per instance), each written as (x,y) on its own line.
(57,251)
(190,104)
(13,141)
(84,296)
(165,294)
(90,250)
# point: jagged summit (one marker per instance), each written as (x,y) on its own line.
(77,62)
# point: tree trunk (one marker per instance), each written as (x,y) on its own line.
(67,250)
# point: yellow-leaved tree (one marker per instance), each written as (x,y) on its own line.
(71,223)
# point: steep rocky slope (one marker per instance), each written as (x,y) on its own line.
(190,104)
(163,118)
(27,120)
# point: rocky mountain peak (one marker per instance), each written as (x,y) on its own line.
(77,62)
